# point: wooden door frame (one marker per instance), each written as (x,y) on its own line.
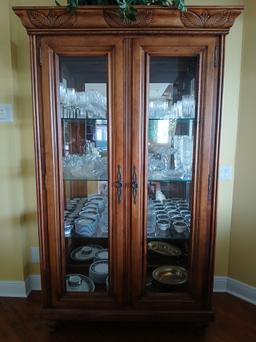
(209,49)
(52,232)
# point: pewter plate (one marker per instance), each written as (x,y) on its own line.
(87,284)
(164,248)
(170,275)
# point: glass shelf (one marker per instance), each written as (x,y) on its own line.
(169,235)
(178,119)
(150,119)
(84,119)
(98,235)
(172,180)
(85,179)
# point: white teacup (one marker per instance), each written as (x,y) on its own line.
(180,227)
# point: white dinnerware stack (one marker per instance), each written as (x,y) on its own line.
(98,271)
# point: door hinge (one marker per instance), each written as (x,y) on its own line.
(216,57)
(209,188)
(45,182)
(40,55)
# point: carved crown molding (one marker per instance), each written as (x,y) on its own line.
(209,19)
(53,19)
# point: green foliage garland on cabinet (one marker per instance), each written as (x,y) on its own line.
(126,7)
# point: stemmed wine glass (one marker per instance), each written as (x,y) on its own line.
(171,134)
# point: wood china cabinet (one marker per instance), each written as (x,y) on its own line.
(127,126)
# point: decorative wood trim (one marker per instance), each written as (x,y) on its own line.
(87,18)
(51,19)
(209,19)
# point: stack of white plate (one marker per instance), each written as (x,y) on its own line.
(85,226)
(101,255)
(98,271)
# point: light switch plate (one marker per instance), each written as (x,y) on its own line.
(6,113)
(35,258)
(226,173)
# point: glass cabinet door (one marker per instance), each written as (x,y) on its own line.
(171,115)
(83,106)
(83,99)
(172,136)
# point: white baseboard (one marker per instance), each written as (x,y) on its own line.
(20,289)
(241,290)
(13,289)
(33,283)
(235,288)
(221,284)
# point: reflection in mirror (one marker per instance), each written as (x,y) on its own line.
(171,133)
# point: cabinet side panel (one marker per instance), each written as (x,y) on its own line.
(35,57)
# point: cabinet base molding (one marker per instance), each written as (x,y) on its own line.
(197,317)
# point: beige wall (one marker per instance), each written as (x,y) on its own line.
(228,133)
(19,76)
(11,208)
(243,234)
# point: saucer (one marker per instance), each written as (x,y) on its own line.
(86,285)
(79,254)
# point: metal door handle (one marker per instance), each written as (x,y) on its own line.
(134,184)
(119,184)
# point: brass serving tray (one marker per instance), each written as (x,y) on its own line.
(164,248)
(170,275)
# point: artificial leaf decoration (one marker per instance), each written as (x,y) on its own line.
(126,7)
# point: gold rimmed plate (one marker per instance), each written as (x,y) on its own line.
(164,248)
(170,275)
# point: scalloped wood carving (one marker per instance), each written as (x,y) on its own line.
(52,19)
(113,19)
(220,19)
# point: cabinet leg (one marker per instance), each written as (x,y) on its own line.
(200,328)
(53,325)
